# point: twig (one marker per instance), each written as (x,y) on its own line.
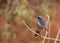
(57,36)
(29,28)
(46,27)
(38,34)
(44,37)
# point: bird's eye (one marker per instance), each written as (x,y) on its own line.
(38,17)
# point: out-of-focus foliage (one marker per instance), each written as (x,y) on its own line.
(24,13)
(20,8)
(43,9)
(7,34)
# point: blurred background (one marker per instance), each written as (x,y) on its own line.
(13,12)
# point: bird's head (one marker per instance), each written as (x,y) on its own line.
(39,17)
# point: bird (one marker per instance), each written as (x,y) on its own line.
(40,24)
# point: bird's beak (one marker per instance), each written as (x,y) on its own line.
(35,16)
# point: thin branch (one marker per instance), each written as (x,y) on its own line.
(57,36)
(29,28)
(44,37)
(46,27)
(38,34)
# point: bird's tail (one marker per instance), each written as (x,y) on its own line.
(37,32)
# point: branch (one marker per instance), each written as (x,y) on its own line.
(38,34)
(29,28)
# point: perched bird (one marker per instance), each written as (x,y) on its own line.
(40,24)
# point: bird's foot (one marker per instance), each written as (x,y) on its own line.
(37,34)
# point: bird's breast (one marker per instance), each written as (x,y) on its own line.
(39,25)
